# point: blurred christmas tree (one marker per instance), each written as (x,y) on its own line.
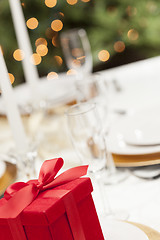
(119,31)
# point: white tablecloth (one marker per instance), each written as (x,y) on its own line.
(140,198)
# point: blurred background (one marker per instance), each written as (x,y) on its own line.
(119,31)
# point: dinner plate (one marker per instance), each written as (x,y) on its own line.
(117,230)
(57,91)
(137,133)
(143,127)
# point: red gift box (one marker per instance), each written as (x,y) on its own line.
(58,208)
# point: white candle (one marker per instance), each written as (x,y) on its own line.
(30,70)
(12,109)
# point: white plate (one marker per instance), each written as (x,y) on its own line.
(143,127)
(58,91)
(124,130)
(117,230)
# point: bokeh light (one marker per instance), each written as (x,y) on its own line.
(1,49)
(71,72)
(42,50)
(57,25)
(77,52)
(72,2)
(40,41)
(36,59)
(52,75)
(55,41)
(131,11)
(18,55)
(133,35)
(62,14)
(32,23)
(50,3)
(11,77)
(58,60)
(119,46)
(103,55)
(85,0)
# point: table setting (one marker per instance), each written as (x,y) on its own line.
(80,154)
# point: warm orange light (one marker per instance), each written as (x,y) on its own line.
(52,75)
(85,0)
(103,55)
(57,25)
(58,60)
(119,46)
(81,58)
(36,59)
(18,55)
(11,77)
(131,11)
(72,2)
(71,72)
(54,41)
(32,23)
(77,52)
(50,3)
(40,41)
(1,49)
(62,14)
(77,62)
(42,50)
(133,34)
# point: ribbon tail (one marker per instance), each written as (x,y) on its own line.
(16,228)
(21,199)
(68,176)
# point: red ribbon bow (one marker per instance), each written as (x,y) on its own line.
(20,194)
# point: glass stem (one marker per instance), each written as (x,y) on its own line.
(102,200)
(109,159)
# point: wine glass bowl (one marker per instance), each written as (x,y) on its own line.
(77,51)
(93,88)
(85,133)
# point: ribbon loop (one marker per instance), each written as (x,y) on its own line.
(25,193)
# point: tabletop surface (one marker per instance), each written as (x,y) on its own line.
(140,198)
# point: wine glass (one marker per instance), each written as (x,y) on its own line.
(93,88)
(77,51)
(88,139)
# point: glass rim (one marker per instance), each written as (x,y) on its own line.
(69,111)
(73,31)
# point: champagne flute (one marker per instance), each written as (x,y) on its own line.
(77,51)
(88,139)
(94,89)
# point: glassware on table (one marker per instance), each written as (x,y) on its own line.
(94,89)
(87,137)
(25,162)
(77,51)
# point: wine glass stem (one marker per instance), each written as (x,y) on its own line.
(109,159)
(105,208)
